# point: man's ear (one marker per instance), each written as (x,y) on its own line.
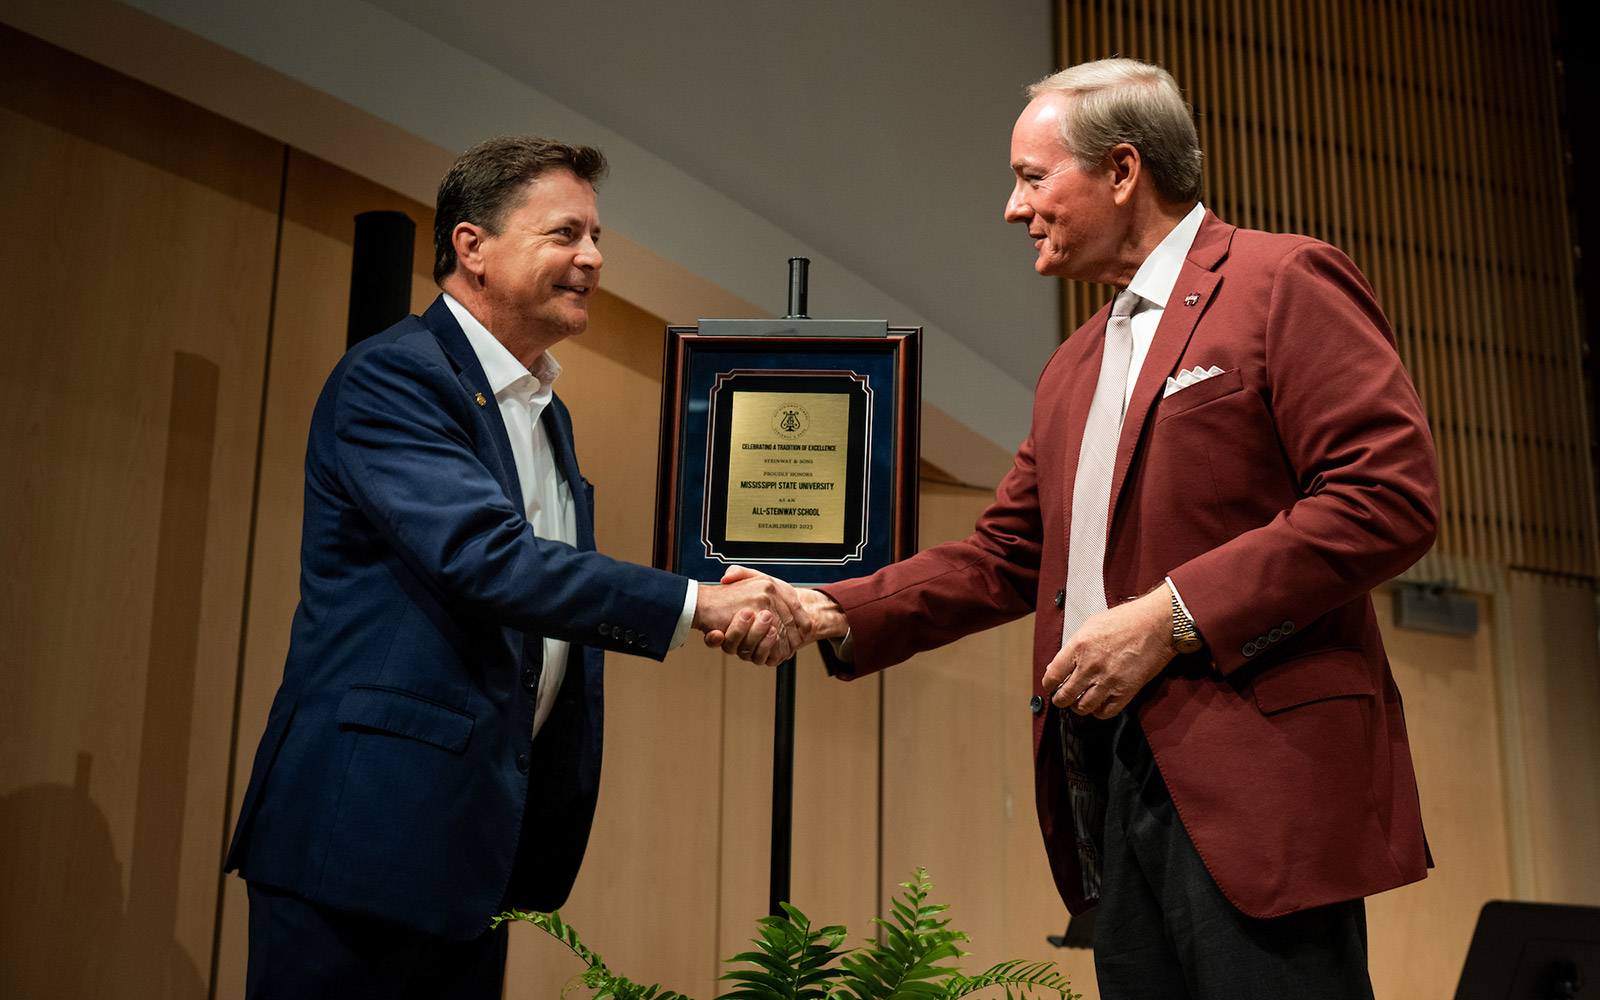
(1126,170)
(468,239)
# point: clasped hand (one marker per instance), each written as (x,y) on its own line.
(1112,656)
(762,619)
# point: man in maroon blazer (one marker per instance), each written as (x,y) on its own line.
(1196,521)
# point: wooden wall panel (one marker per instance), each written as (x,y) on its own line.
(1419,933)
(137,274)
(958,779)
(310,312)
(1555,624)
(835,859)
(1421,138)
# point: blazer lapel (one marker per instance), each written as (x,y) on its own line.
(1197,283)
(475,384)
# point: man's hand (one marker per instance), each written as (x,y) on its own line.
(819,617)
(1113,655)
(756,616)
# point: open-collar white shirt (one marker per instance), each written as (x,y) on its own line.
(522,396)
(1153,283)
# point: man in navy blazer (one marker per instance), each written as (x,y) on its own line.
(432,756)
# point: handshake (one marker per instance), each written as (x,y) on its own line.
(762,619)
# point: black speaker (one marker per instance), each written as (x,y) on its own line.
(1533,951)
(380,273)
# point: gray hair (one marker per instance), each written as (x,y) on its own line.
(1124,100)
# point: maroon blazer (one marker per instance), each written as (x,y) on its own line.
(1275,495)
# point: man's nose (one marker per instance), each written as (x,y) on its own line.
(1016,208)
(589,254)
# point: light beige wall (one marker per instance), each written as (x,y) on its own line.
(958,779)
(1419,933)
(310,312)
(1557,671)
(136,270)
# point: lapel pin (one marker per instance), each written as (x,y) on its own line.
(1191,298)
(481,400)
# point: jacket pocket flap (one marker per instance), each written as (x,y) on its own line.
(404,714)
(1326,673)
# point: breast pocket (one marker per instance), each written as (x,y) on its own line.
(1200,393)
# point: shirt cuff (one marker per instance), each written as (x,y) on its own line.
(691,598)
(845,649)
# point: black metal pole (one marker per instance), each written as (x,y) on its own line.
(782,787)
(783,709)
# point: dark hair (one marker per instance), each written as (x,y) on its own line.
(483,183)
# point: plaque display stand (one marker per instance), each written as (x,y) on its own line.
(788,446)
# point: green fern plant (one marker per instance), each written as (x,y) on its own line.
(903,961)
(793,960)
(605,983)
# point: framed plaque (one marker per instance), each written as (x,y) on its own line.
(790,454)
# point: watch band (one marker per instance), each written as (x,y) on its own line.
(1185,636)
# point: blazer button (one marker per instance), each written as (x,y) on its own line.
(1036,704)
(523,762)
(530,679)
(627,636)
(1061,598)
(1273,635)
(643,641)
(1287,627)
(1249,650)
(605,629)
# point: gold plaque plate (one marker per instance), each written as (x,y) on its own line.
(787,464)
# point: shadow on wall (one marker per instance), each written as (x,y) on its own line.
(69,933)
(66,930)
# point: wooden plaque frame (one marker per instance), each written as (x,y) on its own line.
(879,375)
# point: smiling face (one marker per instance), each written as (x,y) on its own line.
(535,276)
(1071,213)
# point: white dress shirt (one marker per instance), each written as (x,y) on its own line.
(1153,283)
(522,396)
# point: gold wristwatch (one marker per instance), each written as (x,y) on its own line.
(1185,637)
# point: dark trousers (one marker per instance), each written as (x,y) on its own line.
(302,951)
(1166,932)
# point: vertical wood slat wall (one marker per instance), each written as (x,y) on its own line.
(1420,137)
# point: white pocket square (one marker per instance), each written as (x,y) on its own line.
(1189,377)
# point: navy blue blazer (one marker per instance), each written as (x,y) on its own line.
(396,772)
